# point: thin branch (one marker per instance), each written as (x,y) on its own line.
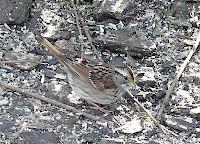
(90,39)
(148,113)
(53,102)
(22,61)
(166,100)
(77,23)
(102,4)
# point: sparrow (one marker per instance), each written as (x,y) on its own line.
(95,82)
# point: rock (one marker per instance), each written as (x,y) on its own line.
(38,137)
(143,96)
(181,110)
(195,112)
(14,11)
(123,41)
(116,9)
(4,101)
(146,77)
(180,123)
(40,126)
(59,35)
(132,126)
(149,63)
(153,142)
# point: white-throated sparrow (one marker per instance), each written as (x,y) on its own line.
(96,82)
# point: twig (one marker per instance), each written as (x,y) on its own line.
(22,61)
(53,102)
(68,28)
(90,39)
(148,113)
(102,4)
(96,52)
(77,23)
(166,100)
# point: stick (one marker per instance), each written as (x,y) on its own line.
(77,23)
(148,113)
(22,61)
(53,102)
(90,39)
(166,100)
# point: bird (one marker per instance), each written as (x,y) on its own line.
(95,82)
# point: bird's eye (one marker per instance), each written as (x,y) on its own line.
(125,78)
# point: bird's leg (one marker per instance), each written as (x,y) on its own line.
(97,107)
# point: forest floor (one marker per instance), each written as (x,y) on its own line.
(152,37)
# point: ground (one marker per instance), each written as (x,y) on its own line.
(170,27)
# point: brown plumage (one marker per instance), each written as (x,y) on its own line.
(96,82)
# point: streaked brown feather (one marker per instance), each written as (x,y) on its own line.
(98,74)
(102,78)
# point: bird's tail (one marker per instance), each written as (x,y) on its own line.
(51,48)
